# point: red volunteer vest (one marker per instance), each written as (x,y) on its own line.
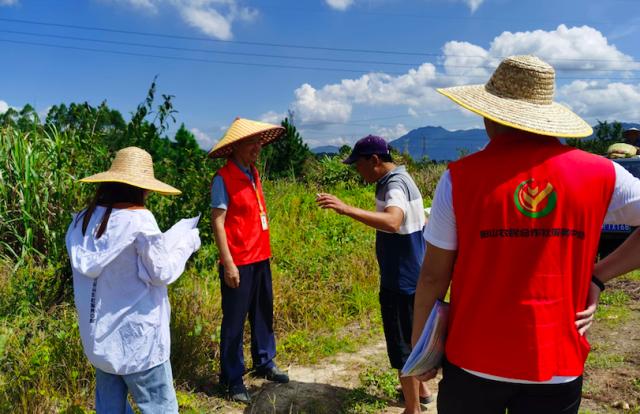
(247,241)
(529,212)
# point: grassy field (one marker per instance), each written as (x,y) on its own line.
(324,270)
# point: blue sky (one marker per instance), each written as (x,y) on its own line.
(358,66)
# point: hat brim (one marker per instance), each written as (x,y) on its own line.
(150,184)
(552,119)
(352,158)
(267,137)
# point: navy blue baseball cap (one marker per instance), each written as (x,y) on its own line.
(368,145)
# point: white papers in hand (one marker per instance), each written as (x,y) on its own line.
(428,352)
(177,231)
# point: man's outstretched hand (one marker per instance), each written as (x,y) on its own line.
(325,200)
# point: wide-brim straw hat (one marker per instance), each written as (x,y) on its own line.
(133,166)
(242,129)
(520,95)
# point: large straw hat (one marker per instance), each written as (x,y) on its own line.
(242,129)
(520,95)
(132,166)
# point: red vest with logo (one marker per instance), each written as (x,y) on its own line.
(246,239)
(529,212)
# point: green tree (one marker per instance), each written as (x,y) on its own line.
(185,139)
(604,134)
(344,150)
(287,156)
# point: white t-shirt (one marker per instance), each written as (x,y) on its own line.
(624,208)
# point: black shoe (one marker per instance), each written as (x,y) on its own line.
(272,374)
(239,393)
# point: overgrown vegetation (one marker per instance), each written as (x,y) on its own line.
(325,275)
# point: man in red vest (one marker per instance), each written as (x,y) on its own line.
(513,231)
(241,231)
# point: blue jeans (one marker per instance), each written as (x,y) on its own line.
(152,390)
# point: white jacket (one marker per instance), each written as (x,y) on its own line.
(120,288)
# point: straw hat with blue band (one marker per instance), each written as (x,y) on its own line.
(520,95)
(242,129)
(133,166)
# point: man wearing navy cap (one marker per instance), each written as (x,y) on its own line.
(399,220)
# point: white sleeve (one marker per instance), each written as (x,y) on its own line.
(441,227)
(624,207)
(156,264)
(396,198)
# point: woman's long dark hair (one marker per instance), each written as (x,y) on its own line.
(107,195)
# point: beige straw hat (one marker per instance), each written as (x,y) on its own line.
(132,166)
(520,95)
(242,129)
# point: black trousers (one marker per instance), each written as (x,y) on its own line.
(254,297)
(460,392)
(397,322)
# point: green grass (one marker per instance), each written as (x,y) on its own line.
(635,275)
(377,388)
(325,277)
(596,360)
(613,307)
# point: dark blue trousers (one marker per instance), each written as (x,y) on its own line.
(255,297)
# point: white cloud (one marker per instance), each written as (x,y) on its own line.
(597,100)
(8,2)
(581,49)
(390,133)
(4,107)
(473,4)
(334,102)
(337,141)
(204,140)
(339,4)
(147,6)
(214,18)
(209,21)
(312,105)
(565,48)
(272,117)
(465,62)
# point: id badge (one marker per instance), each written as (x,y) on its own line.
(263,220)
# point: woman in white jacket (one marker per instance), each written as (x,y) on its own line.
(122,264)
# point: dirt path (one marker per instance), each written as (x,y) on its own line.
(327,387)
(334,385)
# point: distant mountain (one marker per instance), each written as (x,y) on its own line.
(440,144)
(627,125)
(327,149)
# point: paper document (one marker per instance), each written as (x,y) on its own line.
(428,352)
(176,232)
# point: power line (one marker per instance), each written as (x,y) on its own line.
(267,44)
(206,39)
(190,59)
(322,59)
(222,52)
(270,65)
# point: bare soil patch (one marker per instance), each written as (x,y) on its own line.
(612,378)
